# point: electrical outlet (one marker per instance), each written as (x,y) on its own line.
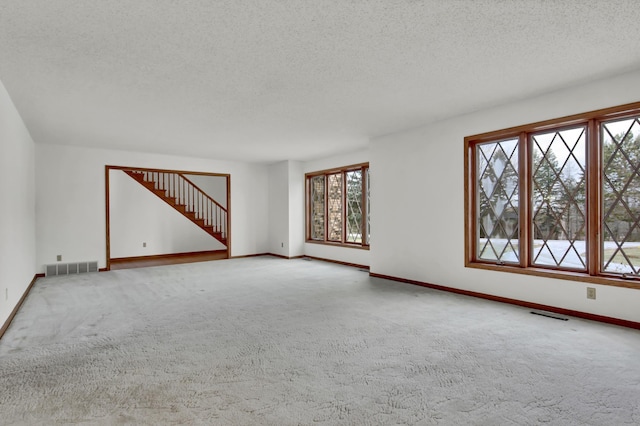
(59,257)
(144,244)
(281,244)
(591,293)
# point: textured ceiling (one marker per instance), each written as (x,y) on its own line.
(269,80)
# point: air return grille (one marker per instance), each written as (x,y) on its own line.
(70,268)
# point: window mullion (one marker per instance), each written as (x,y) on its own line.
(594,199)
(524,161)
(343,237)
(309,213)
(326,208)
(471,212)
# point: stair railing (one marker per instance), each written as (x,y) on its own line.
(186,193)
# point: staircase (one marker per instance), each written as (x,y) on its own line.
(183,195)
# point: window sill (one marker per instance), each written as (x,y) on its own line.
(326,243)
(560,275)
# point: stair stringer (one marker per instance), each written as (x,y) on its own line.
(176,203)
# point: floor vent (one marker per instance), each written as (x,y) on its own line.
(70,268)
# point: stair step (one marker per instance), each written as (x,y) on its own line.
(136,175)
(177,205)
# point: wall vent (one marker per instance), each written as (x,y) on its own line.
(70,268)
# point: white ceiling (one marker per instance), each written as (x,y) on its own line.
(269,80)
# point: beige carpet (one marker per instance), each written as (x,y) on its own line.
(267,341)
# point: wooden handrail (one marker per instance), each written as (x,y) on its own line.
(185,193)
(143,169)
(203,193)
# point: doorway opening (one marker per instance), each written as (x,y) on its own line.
(158,217)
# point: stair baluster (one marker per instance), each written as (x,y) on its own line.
(184,196)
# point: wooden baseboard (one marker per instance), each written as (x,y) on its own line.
(531,305)
(165,256)
(266,254)
(284,257)
(278,255)
(7,323)
(166,259)
(249,255)
(353,265)
(41,275)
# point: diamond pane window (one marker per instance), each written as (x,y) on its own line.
(621,196)
(334,209)
(368,221)
(317,190)
(570,209)
(354,206)
(558,198)
(338,206)
(497,197)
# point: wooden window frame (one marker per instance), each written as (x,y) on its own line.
(308,211)
(594,199)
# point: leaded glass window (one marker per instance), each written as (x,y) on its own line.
(368,221)
(621,196)
(338,206)
(498,201)
(334,201)
(354,206)
(317,191)
(558,198)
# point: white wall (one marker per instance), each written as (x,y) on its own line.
(138,216)
(296,208)
(417,192)
(343,254)
(70,196)
(214,186)
(17,207)
(279,208)
(286,209)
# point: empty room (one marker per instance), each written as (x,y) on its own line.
(289,212)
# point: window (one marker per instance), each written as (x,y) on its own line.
(559,198)
(338,206)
